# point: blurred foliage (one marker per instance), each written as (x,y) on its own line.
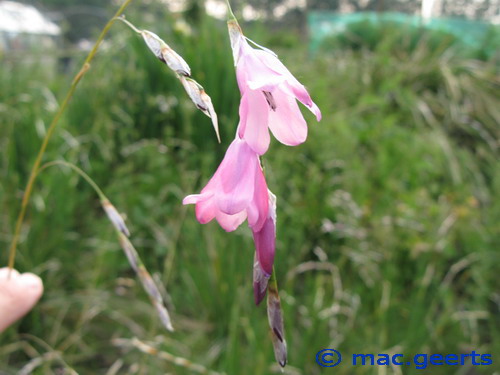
(407,38)
(387,217)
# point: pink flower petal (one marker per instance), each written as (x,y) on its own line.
(316,111)
(191,199)
(265,245)
(206,209)
(293,86)
(259,207)
(253,126)
(252,73)
(272,63)
(230,222)
(287,123)
(299,91)
(236,174)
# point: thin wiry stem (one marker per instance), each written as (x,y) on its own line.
(230,10)
(77,170)
(122,18)
(50,131)
(131,253)
(151,350)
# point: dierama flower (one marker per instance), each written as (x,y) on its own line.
(269,93)
(265,246)
(237,191)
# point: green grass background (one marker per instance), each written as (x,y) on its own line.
(388,216)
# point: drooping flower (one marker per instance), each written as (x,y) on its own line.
(237,191)
(265,246)
(269,96)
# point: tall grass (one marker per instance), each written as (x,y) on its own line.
(387,237)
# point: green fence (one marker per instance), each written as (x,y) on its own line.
(472,33)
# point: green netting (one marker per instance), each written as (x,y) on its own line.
(325,24)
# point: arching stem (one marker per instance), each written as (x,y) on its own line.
(50,131)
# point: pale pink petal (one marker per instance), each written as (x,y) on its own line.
(287,123)
(272,63)
(292,86)
(250,72)
(259,207)
(314,109)
(206,209)
(243,112)
(230,222)
(191,199)
(299,91)
(269,83)
(253,126)
(236,174)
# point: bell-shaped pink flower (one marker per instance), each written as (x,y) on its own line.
(269,96)
(237,191)
(265,246)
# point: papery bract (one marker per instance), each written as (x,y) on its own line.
(115,217)
(202,101)
(166,54)
(236,191)
(269,93)
(275,318)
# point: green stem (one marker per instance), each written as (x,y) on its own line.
(272,283)
(122,18)
(53,124)
(230,10)
(87,178)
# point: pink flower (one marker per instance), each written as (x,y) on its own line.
(265,246)
(269,96)
(236,191)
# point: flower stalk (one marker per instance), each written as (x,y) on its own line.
(36,165)
(231,15)
(122,231)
